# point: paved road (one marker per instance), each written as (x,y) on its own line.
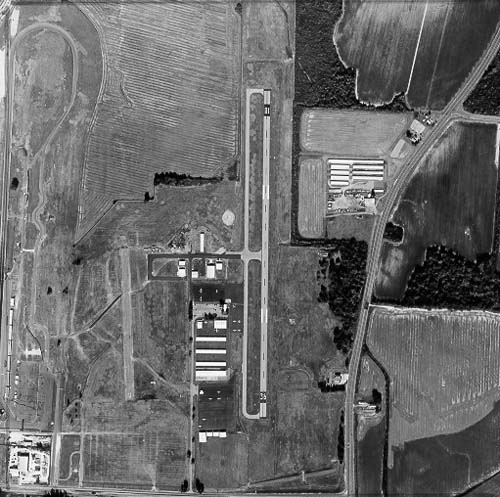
(264,277)
(376,243)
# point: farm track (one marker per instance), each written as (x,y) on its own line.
(376,243)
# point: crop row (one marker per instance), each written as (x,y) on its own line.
(170,102)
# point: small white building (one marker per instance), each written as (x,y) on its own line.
(218,265)
(220,324)
(211,270)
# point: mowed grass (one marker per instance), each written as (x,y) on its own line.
(254,335)
(256,171)
(380,39)
(170,100)
(313,191)
(443,368)
(449,201)
(350,133)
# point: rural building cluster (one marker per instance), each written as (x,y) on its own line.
(354,185)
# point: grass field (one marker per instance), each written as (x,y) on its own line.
(313,193)
(381,41)
(449,201)
(223,463)
(170,101)
(358,227)
(443,368)
(157,223)
(254,329)
(350,133)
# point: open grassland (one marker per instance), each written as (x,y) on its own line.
(448,464)
(423,49)
(170,100)
(443,367)
(449,201)
(54,90)
(350,133)
(141,224)
(97,286)
(313,192)
(223,462)
(160,319)
(44,67)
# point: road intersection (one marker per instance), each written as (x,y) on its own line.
(448,116)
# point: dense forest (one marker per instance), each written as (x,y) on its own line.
(344,274)
(447,279)
(175,179)
(485,98)
(321,80)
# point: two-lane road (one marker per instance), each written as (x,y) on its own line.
(376,242)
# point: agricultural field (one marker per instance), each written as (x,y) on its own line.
(449,464)
(423,50)
(170,94)
(443,369)
(350,133)
(313,194)
(449,201)
(149,459)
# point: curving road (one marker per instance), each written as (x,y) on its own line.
(448,116)
(5,174)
